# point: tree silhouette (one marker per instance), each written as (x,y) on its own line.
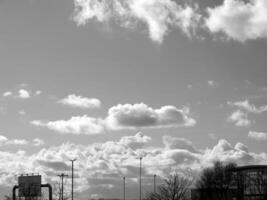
(176,187)
(217,180)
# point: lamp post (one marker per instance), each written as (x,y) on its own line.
(72,167)
(140,180)
(155,183)
(124,188)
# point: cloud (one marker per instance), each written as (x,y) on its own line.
(81,102)
(239,118)
(130,116)
(239,20)
(38,142)
(211,83)
(257,135)
(21,142)
(160,16)
(239,154)
(22,91)
(23,94)
(178,143)
(75,125)
(22,112)
(100,166)
(120,117)
(247,106)
(135,142)
(57,166)
(38,92)
(6,94)
(5,141)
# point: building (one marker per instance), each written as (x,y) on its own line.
(251,182)
(248,183)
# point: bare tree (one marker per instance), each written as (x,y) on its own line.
(57,191)
(176,187)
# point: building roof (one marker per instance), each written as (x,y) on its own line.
(250,167)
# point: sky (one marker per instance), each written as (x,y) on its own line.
(181,83)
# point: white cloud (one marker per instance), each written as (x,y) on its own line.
(38,142)
(178,143)
(81,102)
(135,142)
(75,125)
(247,106)
(18,142)
(22,112)
(24,94)
(3,140)
(239,20)
(6,94)
(130,116)
(158,15)
(125,116)
(239,118)
(211,83)
(21,142)
(257,135)
(38,92)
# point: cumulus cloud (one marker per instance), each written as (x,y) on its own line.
(178,143)
(135,142)
(23,94)
(224,151)
(75,125)
(239,20)
(158,15)
(119,117)
(81,102)
(257,135)
(140,115)
(240,118)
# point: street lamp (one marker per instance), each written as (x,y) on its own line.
(72,167)
(140,184)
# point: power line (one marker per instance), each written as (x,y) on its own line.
(62,175)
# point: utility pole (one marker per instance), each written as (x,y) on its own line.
(124,188)
(155,183)
(140,184)
(62,175)
(72,178)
